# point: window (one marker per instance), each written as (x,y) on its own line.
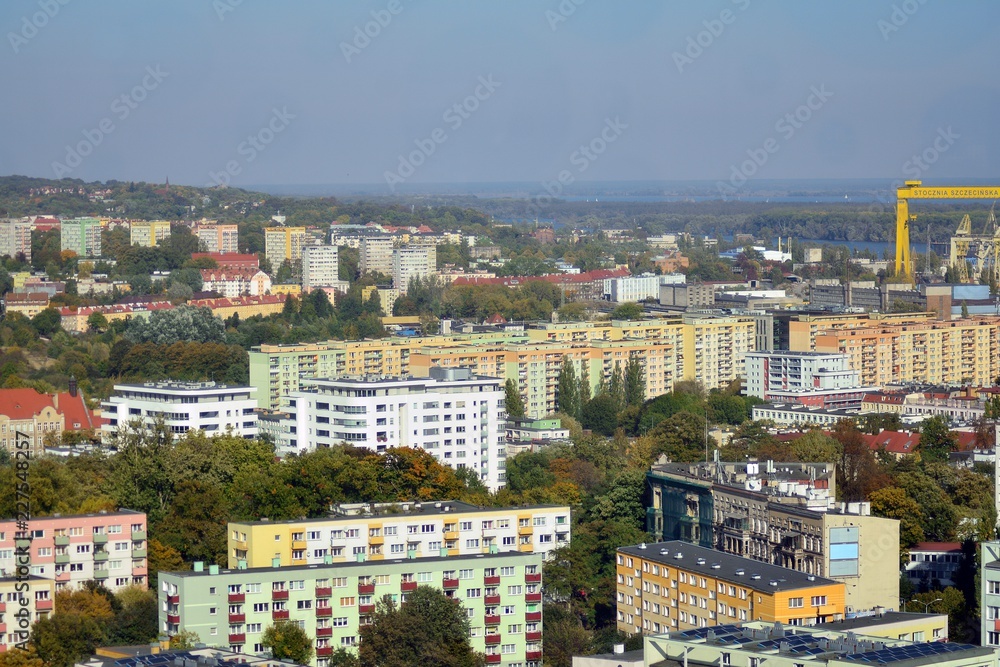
(347,602)
(473,593)
(340,622)
(472,544)
(424,577)
(818,600)
(304,604)
(261,606)
(339,582)
(514,590)
(795,603)
(465,525)
(253,628)
(465,574)
(506,571)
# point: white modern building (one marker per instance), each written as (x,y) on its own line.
(784,370)
(640,288)
(183,406)
(320,267)
(375,255)
(412,262)
(454,415)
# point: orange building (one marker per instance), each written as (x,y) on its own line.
(680,586)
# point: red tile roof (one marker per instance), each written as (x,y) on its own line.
(937,546)
(894,442)
(21,404)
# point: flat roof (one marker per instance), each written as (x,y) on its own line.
(63,517)
(172,386)
(392,510)
(367,564)
(752,574)
(862,622)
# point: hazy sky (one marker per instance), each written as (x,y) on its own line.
(140,90)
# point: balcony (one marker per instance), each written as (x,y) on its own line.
(62,559)
(237,639)
(279,595)
(532,655)
(533,617)
(100,556)
(62,576)
(524,530)
(408,586)
(366,609)
(62,540)
(237,598)
(176,599)
(376,540)
(492,620)
(492,600)
(324,592)
(493,640)
(280,614)
(366,589)
(324,651)
(449,584)
(43,605)
(138,535)
(298,545)
(237,618)
(173,618)
(533,636)
(533,598)
(324,632)
(139,553)
(324,612)
(100,538)
(535,578)
(100,574)
(491,581)
(493,659)
(450,535)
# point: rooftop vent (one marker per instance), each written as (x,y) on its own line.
(755,576)
(642,546)
(664,552)
(678,555)
(700,561)
(740,572)
(716,566)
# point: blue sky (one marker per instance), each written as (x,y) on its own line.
(232,69)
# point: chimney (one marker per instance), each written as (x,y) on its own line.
(72,386)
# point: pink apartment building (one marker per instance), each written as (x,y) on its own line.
(108,547)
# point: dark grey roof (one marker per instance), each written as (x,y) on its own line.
(850,624)
(758,576)
(396,510)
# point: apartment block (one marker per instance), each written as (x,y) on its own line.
(216,238)
(386,296)
(375,532)
(376,255)
(989,593)
(82,236)
(715,348)
(235,282)
(776,645)
(501,594)
(641,288)
(184,406)
(23,601)
(457,417)
(320,267)
(283,243)
(15,238)
(409,262)
(676,586)
(779,513)
(149,234)
(107,547)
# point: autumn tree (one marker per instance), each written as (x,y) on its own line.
(858,474)
(936,439)
(893,503)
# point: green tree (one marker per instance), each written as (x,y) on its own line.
(627,311)
(635,382)
(431,629)
(63,639)
(584,386)
(616,387)
(816,447)
(858,474)
(893,503)
(567,389)
(18,657)
(600,414)
(185,639)
(288,641)
(936,439)
(97,322)
(512,399)
(47,322)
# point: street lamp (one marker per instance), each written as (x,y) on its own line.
(926,604)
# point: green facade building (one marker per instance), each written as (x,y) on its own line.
(231,608)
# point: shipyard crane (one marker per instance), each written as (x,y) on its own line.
(914,190)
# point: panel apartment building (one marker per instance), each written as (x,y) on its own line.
(283,243)
(677,586)
(107,547)
(15,237)
(457,417)
(779,513)
(320,267)
(82,236)
(149,234)
(34,595)
(216,238)
(375,532)
(231,608)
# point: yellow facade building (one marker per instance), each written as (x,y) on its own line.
(149,233)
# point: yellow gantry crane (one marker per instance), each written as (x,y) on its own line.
(914,190)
